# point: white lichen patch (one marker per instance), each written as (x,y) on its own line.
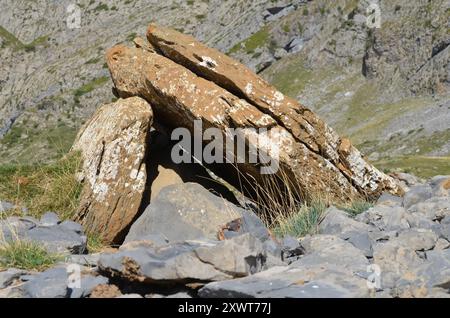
(249,88)
(208,62)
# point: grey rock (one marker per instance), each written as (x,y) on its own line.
(362,241)
(49,219)
(328,249)
(188,261)
(9,276)
(385,218)
(186,212)
(444,231)
(290,282)
(436,270)
(291,249)
(52,283)
(416,194)
(72,226)
(58,239)
(337,222)
(15,227)
(435,209)
(394,261)
(88,260)
(87,285)
(389,200)
(442,244)
(440,186)
(6,206)
(417,239)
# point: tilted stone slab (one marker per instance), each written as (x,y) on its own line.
(304,125)
(113,144)
(179,97)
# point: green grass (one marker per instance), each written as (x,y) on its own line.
(303,222)
(421,166)
(10,39)
(26,255)
(89,87)
(14,42)
(43,188)
(255,41)
(27,144)
(357,207)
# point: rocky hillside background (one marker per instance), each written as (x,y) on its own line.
(386,89)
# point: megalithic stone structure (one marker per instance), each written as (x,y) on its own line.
(185,80)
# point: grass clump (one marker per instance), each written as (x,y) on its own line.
(26,255)
(43,188)
(357,207)
(301,222)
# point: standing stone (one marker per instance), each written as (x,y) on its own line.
(113,146)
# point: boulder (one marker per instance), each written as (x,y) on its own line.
(188,211)
(308,152)
(113,145)
(416,194)
(325,250)
(290,282)
(304,126)
(434,209)
(188,261)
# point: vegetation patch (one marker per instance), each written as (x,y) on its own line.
(258,39)
(425,167)
(43,188)
(26,255)
(89,87)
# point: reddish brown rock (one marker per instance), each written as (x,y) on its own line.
(303,124)
(113,145)
(179,96)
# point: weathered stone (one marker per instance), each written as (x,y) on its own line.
(390,200)
(87,284)
(417,239)
(58,239)
(187,261)
(328,249)
(303,124)
(113,146)
(416,194)
(290,282)
(442,244)
(440,186)
(435,209)
(14,227)
(52,283)
(385,218)
(395,260)
(49,219)
(9,276)
(137,72)
(337,222)
(188,211)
